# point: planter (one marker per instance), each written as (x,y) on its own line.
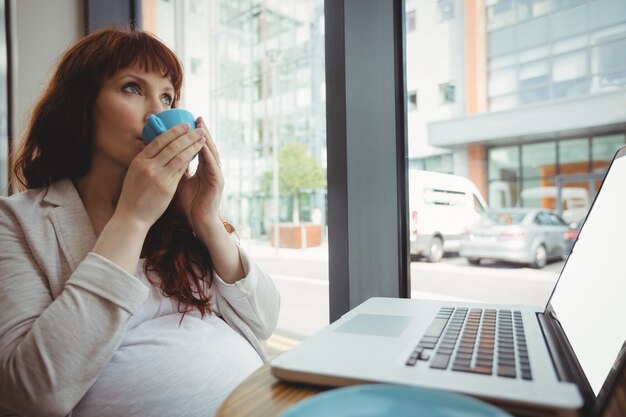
(297,236)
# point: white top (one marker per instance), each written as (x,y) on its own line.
(165,367)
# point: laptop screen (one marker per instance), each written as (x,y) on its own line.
(590,297)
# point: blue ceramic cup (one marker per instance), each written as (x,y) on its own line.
(159,123)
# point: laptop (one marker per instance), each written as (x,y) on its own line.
(560,360)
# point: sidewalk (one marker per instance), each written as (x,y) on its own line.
(262,249)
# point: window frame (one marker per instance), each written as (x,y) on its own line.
(365,47)
(366,107)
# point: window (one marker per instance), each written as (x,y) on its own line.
(446,93)
(574,156)
(256,78)
(609,61)
(500,14)
(539,160)
(195,66)
(603,148)
(445,9)
(4,107)
(410,21)
(412,100)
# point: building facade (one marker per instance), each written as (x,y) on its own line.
(544,99)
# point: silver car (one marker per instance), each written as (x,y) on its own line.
(520,235)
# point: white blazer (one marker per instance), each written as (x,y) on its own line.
(64,309)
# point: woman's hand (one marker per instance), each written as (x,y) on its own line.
(148,189)
(200,194)
(155,173)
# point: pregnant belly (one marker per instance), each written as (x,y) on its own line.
(163,368)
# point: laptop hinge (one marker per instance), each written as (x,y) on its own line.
(565,363)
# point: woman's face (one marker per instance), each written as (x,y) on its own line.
(121,110)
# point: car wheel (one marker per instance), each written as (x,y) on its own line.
(435,250)
(473,261)
(540,258)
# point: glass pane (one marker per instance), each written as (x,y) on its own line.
(502,82)
(255,71)
(569,44)
(541,56)
(4,109)
(575,199)
(539,193)
(502,102)
(534,74)
(569,22)
(504,163)
(501,42)
(531,33)
(503,194)
(538,160)
(609,57)
(533,54)
(603,149)
(500,14)
(574,156)
(528,9)
(569,66)
(572,88)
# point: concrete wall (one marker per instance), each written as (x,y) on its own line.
(40,31)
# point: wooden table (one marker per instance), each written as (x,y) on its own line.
(261,394)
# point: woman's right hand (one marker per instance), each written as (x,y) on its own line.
(148,188)
(154,174)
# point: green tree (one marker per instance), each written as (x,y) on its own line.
(297,170)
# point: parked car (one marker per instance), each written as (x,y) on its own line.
(520,235)
(441,207)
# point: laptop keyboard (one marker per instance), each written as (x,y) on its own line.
(481,341)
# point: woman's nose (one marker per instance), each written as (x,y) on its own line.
(154,106)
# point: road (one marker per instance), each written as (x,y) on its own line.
(301,276)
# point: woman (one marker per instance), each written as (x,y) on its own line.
(122,292)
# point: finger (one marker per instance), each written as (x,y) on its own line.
(179,144)
(210,160)
(178,165)
(161,141)
(210,141)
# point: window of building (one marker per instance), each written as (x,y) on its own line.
(412,105)
(501,13)
(539,160)
(447,93)
(528,9)
(504,163)
(4,108)
(609,62)
(574,156)
(255,78)
(502,81)
(439,163)
(603,149)
(445,9)
(533,82)
(195,66)
(411,23)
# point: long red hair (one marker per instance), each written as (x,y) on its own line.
(59,140)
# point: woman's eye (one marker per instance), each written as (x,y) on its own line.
(131,88)
(167,100)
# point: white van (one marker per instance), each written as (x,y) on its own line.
(441,208)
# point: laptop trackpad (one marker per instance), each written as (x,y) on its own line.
(376,325)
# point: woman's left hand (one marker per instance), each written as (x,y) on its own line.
(200,194)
